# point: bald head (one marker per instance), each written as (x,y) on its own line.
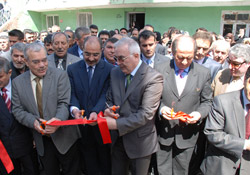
(92,47)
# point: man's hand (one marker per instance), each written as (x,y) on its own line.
(166,113)
(93,116)
(196,117)
(51,129)
(247,144)
(77,113)
(110,113)
(112,125)
(38,127)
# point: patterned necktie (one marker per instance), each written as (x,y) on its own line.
(6,99)
(60,65)
(90,69)
(247,119)
(180,71)
(39,97)
(128,81)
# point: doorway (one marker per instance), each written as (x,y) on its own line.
(136,20)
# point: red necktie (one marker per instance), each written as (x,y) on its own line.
(5,98)
(247,119)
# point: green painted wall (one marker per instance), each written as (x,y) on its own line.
(185,18)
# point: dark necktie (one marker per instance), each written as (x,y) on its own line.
(128,81)
(247,119)
(180,71)
(6,99)
(90,69)
(39,97)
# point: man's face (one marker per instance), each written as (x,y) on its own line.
(104,38)
(93,32)
(125,60)
(109,52)
(49,48)
(4,78)
(43,35)
(70,36)
(29,37)
(124,32)
(135,33)
(247,88)
(220,53)
(92,52)
(237,66)
(202,48)
(60,45)
(37,62)
(148,46)
(4,44)
(18,59)
(13,40)
(184,54)
(81,41)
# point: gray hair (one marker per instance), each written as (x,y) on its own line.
(4,37)
(59,33)
(221,42)
(18,46)
(132,45)
(241,51)
(4,65)
(35,47)
(81,31)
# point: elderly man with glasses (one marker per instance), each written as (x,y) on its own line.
(232,79)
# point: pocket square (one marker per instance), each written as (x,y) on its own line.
(198,89)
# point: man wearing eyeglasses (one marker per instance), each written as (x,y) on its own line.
(89,79)
(232,79)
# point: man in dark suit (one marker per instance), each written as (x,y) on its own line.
(204,41)
(136,88)
(60,58)
(16,138)
(41,94)
(228,130)
(81,33)
(187,89)
(89,80)
(147,42)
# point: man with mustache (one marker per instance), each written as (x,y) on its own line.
(48,44)
(17,64)
(60,58)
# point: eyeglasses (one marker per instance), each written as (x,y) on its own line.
(235,64)
(121,58)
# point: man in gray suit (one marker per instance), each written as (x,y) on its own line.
(147,42)
(40,94)
(227,130)
(187,89)
(133,133)
(60,58)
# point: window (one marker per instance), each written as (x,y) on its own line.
(233,21)
(52,20)
(84,19)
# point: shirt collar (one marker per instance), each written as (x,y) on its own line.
(80,52)
(185,72)
(144,59)
(8,86)
(57,57)
(199,61)
(87,66)
(136,68)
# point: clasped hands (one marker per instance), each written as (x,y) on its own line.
(167,113)
(47,129)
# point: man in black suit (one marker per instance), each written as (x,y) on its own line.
(81,33)
(186,88)
(16,138)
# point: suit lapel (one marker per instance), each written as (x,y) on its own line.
(170,78)
(4,110)
(97,74)
(52,60)
(83,74)
(69,60)
(121,80)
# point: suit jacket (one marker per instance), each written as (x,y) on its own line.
(74,50)
(225,131)
(212,65)
(196,96)
(90,99)
(221,81)
(15,137)
(15,72)
(160,49)
(55,98)
(138,105)
(70,60)
(159,58)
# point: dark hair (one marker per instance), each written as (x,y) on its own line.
(247,75)
(71,31)
(203,36)
(93,26)
(103,32)
(112,33)
(18,33)
(201,29)
(158,36)
(123,29)
(146,34)
(48,38)
(112,40)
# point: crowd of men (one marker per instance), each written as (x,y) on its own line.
(174,105)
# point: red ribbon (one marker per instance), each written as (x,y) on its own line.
(182,116)
(102,124)
(5,158)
